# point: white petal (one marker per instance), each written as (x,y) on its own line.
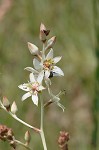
(32,78)
(50,54)
(35,99)
(56,74)
(33,48)
(36,64)
(58,71)
(41,64)
(40,77)
(57,59)
(41,88)
(61,106)
(24,87)
(25,96)
(30,69)
(47,74)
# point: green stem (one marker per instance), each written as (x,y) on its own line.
(42,131)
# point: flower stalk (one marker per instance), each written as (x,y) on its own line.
(22,144)
(42,122)
(18,119)
(43,52)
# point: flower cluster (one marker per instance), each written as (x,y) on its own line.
(63,140)
(6,134)
(44,68)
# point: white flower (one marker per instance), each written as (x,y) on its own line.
(56,98)
(33,87)
(48,65)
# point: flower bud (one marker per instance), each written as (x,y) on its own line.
(6,103)
(51,42)
(43,33)
(42,36)
(10,134)
(27,137)
(42,27)
(33,49)
(63,140)
(14,108)
(13,144)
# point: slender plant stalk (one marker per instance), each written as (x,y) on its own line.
(43,52)
(22,144)
(42,109)
(26,124)
(18,119)
(42,120)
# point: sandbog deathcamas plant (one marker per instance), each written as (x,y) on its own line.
(44,68)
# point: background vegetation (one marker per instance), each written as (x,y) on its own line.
(76,25)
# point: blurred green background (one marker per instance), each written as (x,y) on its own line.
(76,25)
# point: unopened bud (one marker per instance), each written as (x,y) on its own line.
(13,144)
(6,103)
(33,49)
(14,108)
(63,140)
(10,135)
(42,27)
(42,36)
(27,137)
(43,33)
(51,42)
